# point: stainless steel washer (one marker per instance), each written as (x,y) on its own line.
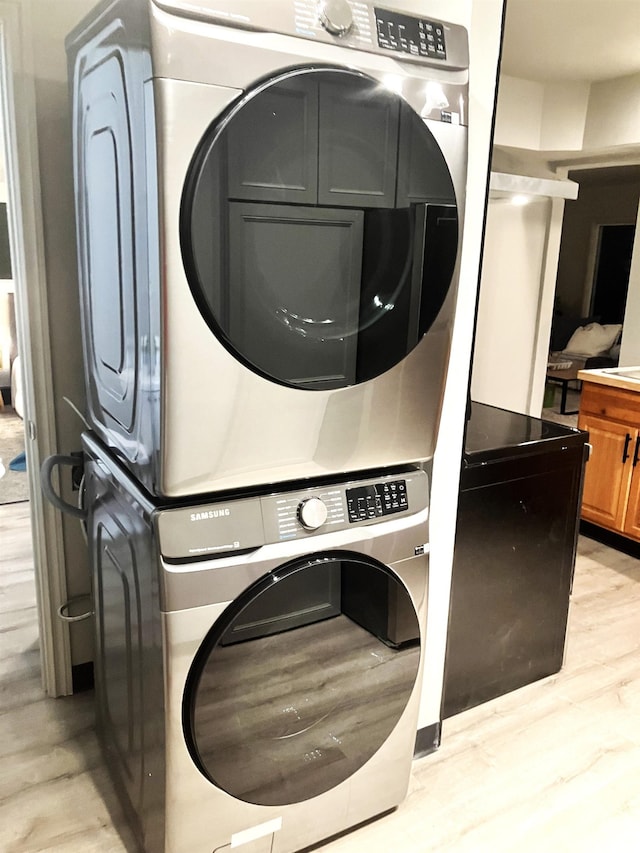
(268,212)
(258,669)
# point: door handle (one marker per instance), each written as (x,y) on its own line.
(636,453)
(625,452)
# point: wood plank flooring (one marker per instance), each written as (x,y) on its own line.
(553,767)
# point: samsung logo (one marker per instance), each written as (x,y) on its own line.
(210,513)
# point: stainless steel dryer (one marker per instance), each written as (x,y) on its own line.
(258,659)
(269,204)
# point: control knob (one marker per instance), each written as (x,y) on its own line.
(335,16)
(312,513)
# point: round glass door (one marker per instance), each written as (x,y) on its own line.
(302,679)
(319,228)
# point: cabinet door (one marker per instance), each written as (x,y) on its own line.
(607,477)
(358,145)
(294,289)
(632,518)
(423,175)
(273,145)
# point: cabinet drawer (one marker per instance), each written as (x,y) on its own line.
(612,403)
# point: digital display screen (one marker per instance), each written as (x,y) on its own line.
(415,36)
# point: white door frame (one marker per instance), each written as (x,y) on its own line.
(32,320)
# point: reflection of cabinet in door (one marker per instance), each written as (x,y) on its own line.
(334,143)
(611,495)
(327,143)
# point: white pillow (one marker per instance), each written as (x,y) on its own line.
(593,339)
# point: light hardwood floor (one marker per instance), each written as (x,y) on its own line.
(553,767)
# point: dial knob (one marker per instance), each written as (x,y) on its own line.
(335,16)
(312,513)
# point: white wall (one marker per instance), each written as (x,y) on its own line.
(519,113)
(630,347)
(483,20)
(510,288)
(5,288)
(539,117)
(583,120)
(50,22)
(567,116)
(564,112)
(614,113)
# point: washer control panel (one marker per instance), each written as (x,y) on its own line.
(241,524)
(335,16)
(296,515)
(292,515)
(377,499)
(312,513)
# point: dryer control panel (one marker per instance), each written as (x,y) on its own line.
(221,528)
(357,24)
(407,34)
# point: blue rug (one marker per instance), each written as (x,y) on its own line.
(19,462)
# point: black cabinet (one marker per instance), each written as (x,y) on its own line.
(419,178)
(514,555)
(273,146)
(269,246)
(324,143)
(358,147)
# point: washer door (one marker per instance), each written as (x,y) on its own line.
(302,679)
(319,228)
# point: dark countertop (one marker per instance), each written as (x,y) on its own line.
(494,433)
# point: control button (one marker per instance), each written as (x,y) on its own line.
(335,16)
(312,513)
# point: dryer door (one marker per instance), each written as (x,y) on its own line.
(302,679)
(319,228)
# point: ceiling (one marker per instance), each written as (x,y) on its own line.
(571,40)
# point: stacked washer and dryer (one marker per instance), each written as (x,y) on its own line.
(268,217)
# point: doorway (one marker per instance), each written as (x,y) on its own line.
(611,275)
(14,483)
(19,128)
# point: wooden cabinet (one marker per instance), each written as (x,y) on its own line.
(611,496)
(632,516)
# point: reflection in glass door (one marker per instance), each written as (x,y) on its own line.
(293,691)
(319,229)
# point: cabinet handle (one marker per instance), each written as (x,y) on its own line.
(636,453)
(625,452)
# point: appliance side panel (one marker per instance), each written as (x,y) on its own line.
(128,649)
(110,163)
